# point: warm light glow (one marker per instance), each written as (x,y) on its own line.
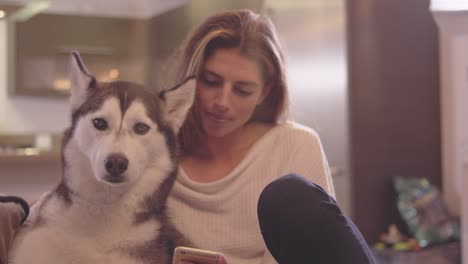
(449,5)
(62,84)
(2,13)
(30,151)
(114,73)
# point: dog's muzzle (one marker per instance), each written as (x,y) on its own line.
(116,165)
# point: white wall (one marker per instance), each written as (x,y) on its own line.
(27,114)
(2,73)
(32,115)
(453,39)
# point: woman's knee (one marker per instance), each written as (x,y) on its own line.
(293,189)
(292,210)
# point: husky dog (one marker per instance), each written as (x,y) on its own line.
(119,163)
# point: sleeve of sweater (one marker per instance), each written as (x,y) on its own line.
(309,159)
(13,211)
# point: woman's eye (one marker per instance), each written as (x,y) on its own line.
(141,128)
(210,81)
(243,92)
(100,124)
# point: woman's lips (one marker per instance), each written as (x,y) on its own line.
(218,118)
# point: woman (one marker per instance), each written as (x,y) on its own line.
(251,185)
(238,149)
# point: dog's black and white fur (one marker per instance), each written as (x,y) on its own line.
(119,164)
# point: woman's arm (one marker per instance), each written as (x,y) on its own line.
(310,161)
(13,212)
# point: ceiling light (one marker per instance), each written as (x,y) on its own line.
(29,10)
(113,74)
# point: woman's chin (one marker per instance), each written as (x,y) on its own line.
(218,132)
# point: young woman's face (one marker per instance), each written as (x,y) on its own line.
(229,88)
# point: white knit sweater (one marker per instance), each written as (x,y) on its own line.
(222,215)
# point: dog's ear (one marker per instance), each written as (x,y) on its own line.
(178,101)
(80,80)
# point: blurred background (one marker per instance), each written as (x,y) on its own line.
(134,40)
(375,78)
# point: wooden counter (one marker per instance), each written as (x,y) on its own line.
(22,160)
(29,176)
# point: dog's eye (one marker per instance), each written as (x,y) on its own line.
(100,123)
(141,128)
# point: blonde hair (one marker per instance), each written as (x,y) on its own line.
(255,36)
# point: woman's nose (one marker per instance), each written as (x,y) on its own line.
(222,98)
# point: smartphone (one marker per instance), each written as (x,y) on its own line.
(195,255)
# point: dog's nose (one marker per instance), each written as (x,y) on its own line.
(116,164)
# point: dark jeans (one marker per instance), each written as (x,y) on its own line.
(301,223)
